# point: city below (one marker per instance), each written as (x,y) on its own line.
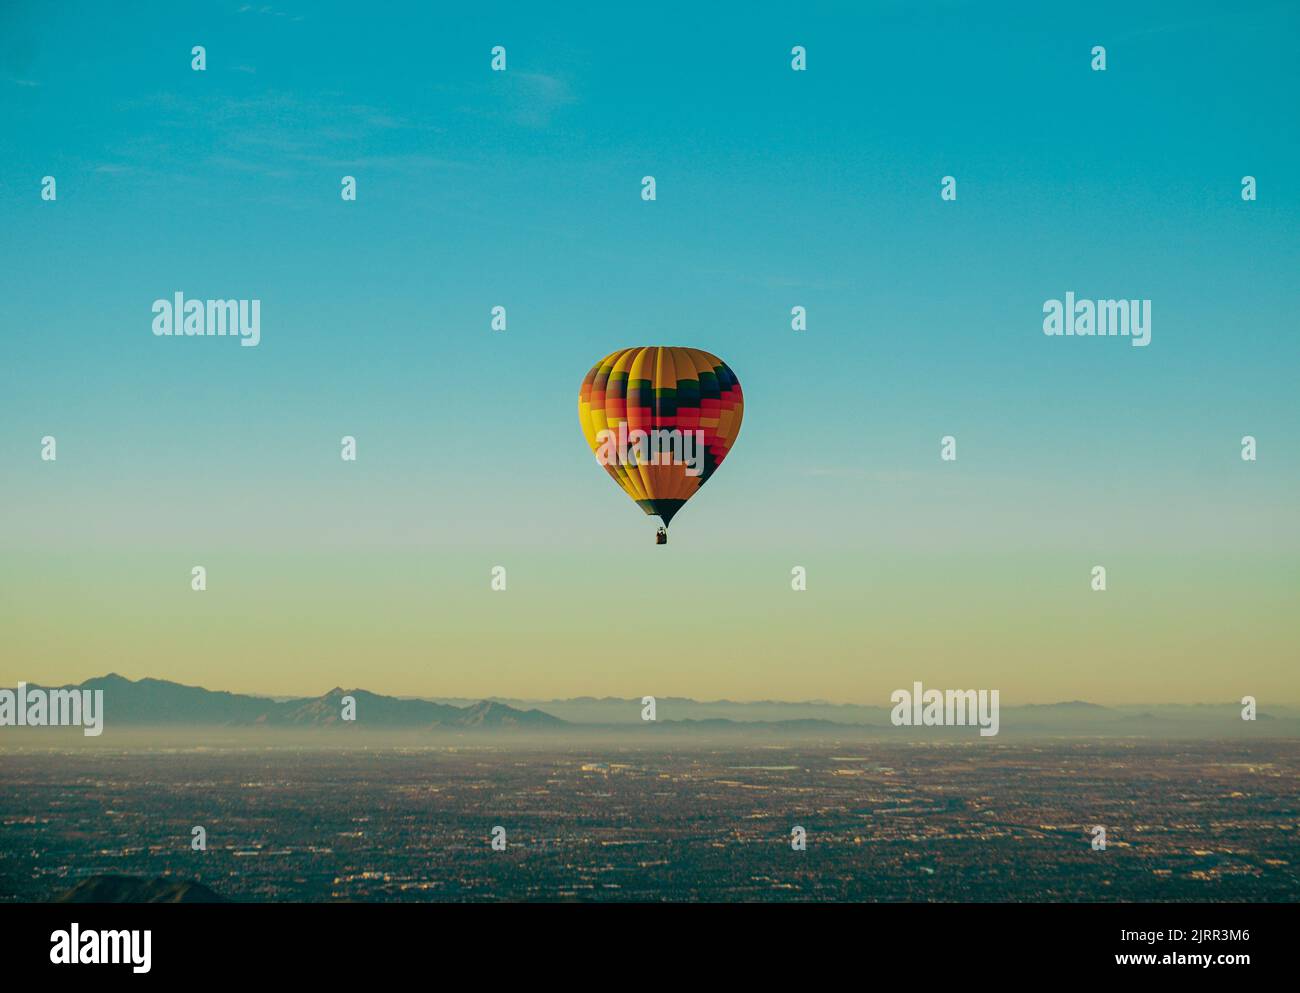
(723,818)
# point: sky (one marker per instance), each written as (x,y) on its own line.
(774,189)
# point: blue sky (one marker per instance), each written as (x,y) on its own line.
(775,188)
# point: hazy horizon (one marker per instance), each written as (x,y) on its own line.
(628,697)
(872,705)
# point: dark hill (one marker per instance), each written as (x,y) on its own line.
(129,889)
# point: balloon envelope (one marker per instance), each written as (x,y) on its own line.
(684,399)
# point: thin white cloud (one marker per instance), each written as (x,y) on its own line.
(535,97)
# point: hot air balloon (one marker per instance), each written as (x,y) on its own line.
(660,420)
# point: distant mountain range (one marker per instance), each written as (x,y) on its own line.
(1070,715)
(156,702)
(159,702)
